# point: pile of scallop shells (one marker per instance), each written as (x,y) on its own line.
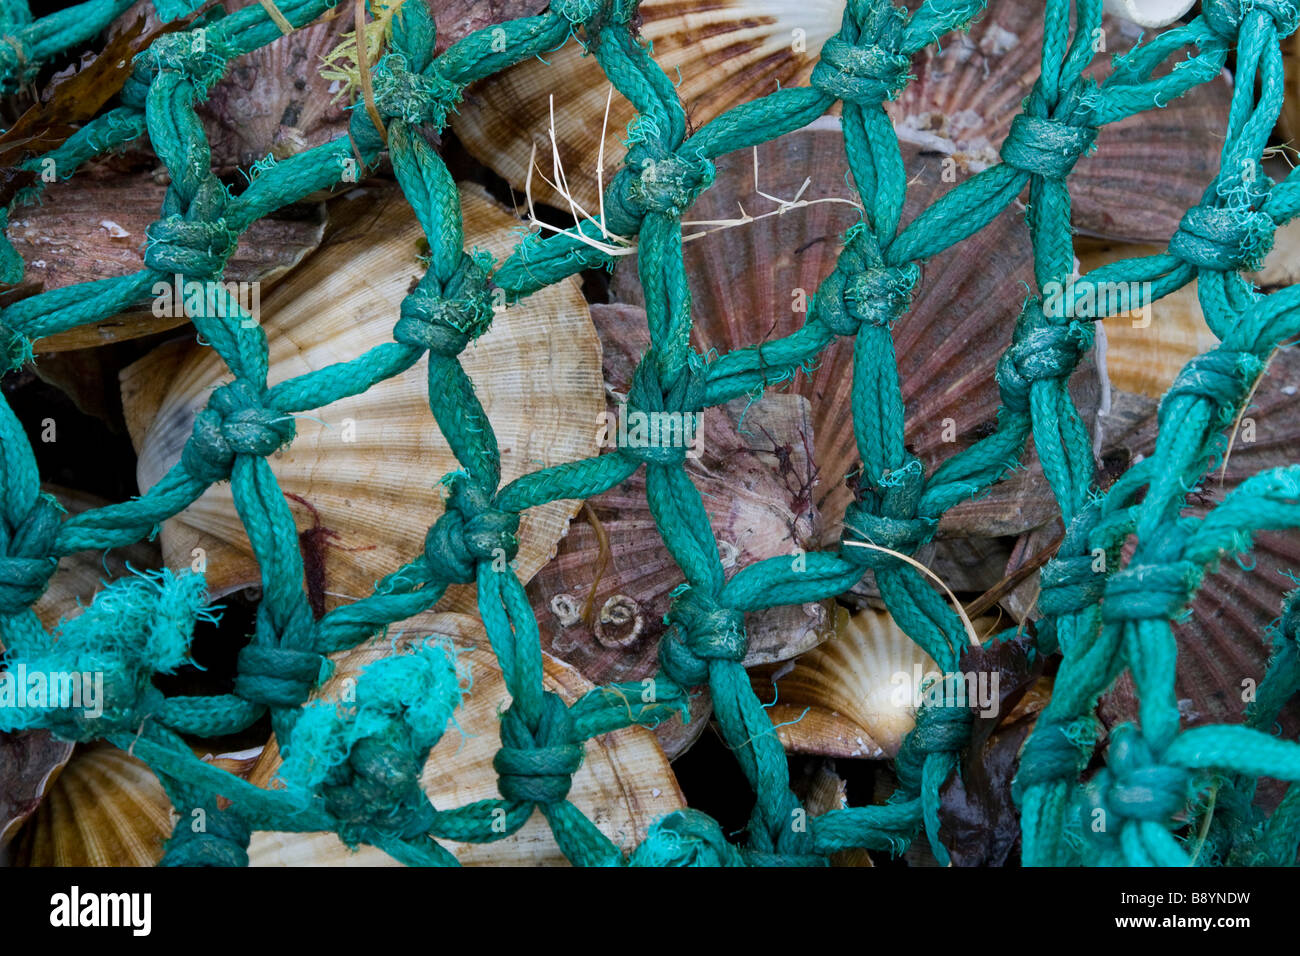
(333,269)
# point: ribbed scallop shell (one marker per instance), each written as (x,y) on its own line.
(1146,173)
(93,227)
(623,784)
(1146,170)
(30,763)
(273,101)
(754,476)
(745,282)
(1224,641)
(537,373)
(721,53)
(106,809)
(1144,359)
(850,696)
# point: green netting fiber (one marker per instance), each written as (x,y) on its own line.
(355,773)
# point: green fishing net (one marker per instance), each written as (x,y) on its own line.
(355,770)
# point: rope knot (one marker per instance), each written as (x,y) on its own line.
(221,841)
(1225,17)
(942,726)
(1149,591)
(196,244)
(278,676)
(1134,786)
(26,556)
(201,62)
(420,99)
(1054,752)
(1220,376)
(685,838)
(863,525)
(470,530)
(177,245)
(1041,353)
(446,322)
(537,767)
(1070,584)
(234,423)
(668,418)
(702,631)
(1224,239)
(866,75)
(1046,147)
(669,183)
(365,757)
(876,296)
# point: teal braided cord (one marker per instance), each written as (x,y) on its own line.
(1102,622)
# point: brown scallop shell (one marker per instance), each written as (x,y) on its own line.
(623,785)
(1223,642)
(536,372)
(754,477)
(273,101)
(1147,171)
(108,809)
(1144,359)
(744,284)
(721,54)
(93,227)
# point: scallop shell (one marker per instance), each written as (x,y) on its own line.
(721,54)
(850,696)
(93,227)
(754,476)
(623,784)
(1148,169)
(536,373)
(273,101)
(1142,358)
(107,809)
(748,281)
(30,763)
(1223,642)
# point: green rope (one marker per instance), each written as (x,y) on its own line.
(355,771)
